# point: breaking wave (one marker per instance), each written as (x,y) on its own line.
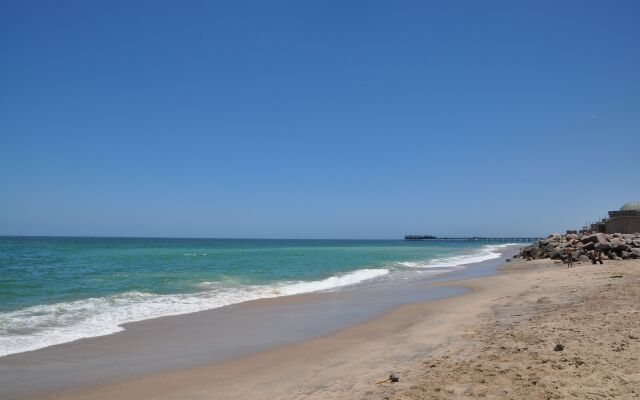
(50,324)
(45,325)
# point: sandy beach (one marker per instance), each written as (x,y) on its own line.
(319,200)
(535,330)
(567,333)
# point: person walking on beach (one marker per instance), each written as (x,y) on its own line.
(569,257)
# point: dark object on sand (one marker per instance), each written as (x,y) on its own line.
(543,299)
(392,378)
(616,276)
(558,347)
(596,257)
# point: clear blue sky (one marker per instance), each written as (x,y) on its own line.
(325,119)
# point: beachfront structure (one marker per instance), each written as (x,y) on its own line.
(625,220)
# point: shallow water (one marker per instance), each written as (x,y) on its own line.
(56,290)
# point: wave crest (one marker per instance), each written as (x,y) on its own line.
(488,252)
(50,324)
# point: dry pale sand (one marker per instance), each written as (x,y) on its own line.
(591,313)
(496,341)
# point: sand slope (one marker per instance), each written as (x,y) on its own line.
(496,341)
(592,311)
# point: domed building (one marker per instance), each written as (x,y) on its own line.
(631,206)
(625,220)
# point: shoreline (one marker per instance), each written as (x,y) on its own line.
(459,346)
(150,346)
(429,343)
(323,363)
(42,324)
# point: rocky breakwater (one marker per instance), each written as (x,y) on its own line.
(612,246)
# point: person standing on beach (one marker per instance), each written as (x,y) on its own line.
(569,257)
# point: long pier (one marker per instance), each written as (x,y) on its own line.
(429,238)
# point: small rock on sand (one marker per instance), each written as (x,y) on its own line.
(543,300)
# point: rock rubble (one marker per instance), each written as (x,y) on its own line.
(612,246)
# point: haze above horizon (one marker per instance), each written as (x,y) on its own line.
(318,120)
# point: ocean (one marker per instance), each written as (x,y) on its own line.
(55,290)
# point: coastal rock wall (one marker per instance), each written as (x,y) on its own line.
(612,246)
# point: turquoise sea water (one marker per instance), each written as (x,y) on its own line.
(54,290)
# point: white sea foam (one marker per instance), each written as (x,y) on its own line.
(485,253)
(49,324)
(332,282)
(46,325)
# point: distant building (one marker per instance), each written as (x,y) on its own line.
(626,220)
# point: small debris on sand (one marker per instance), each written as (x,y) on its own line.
(394,377)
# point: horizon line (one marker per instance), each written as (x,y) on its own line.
(246,238)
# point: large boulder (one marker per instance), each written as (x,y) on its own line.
(557,255)
(587,246)
(605,247)
(550,239)
(618,245)
(596,238)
